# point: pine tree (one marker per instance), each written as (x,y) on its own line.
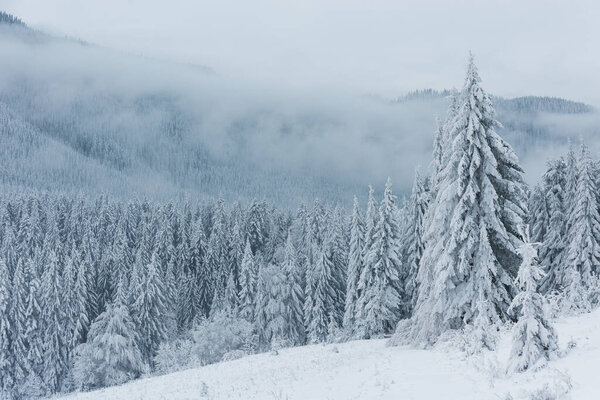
(382,292)
(247,284)
(275,332)
(111,355)
(260,309)
(34,333)
(292,296)
(571,178)
(552,251)
(231,297)
(149,311)
(7,362)
(413,244)
(320,312)
(55,340)
(539,218)
(583,247)
(19,318)
(355,267)
(438,152)
(371,219)
(80,306)
(202,272)
(534,338)
(257,226)
(339,258)
(472,231)
(216,255)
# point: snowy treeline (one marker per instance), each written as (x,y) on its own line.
(97,293)
(6,18)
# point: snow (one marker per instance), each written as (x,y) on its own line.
(369,369)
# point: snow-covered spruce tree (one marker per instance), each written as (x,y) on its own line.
(149,311)
(413,245)
(552,250)
(200,270)
(7,361)
(339,256)
(216,254)
(583,239)
(231,306)
(571,178)
(382,296)
(311,254)
(355,266)
(293,296)
(438,152)
(55,340)
(539,216)
(247,284)
(319,314)
(19,344)
(79,308)
(472,230)
(260,307)
(111,356)
(371,218)
(257,226)
(34,328)
(534,338)
(275,333)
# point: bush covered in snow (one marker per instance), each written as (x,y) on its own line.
(222,337)
(111,355)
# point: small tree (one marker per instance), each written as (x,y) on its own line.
(534,339)
(111,355)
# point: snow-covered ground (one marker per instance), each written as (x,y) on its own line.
(370,370)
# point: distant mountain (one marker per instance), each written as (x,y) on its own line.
(526,104)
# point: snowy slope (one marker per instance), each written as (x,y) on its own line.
(370,370)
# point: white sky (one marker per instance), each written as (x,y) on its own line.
(522,47)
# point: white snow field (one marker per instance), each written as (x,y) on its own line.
(369,369)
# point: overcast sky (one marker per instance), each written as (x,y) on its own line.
(383,47)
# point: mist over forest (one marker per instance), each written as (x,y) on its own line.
(83,118)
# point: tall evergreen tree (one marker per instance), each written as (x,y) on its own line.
(355,267)
(382,292)
(413,244)
(19,318)
(149,310)
(583,246)
(247,284)
(539,217)
(7,361)
(552,251)
(55,340)
(232,301)
(34,332)
(339,249)
(292,295)
(472,235)
(321,310)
